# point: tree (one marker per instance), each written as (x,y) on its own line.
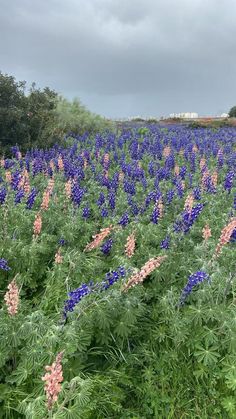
(13,111)
(232,112)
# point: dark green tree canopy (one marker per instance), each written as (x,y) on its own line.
(232,112)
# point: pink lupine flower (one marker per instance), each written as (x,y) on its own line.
(160,207)
(206,232)
(51,185)
(176,170)
(106,174)
(60,163)
(98,238)
(188,205)
(58,257)
(106,159)
(45,201)
(214,179)
(2,163)
(121,176)
(53,380)
(166,151)
(225,236)
(130,245)
(8,176)
(68,187)
(202,163)
(37,225)
(139,277)
(195,148)
(12,298)
(52,165)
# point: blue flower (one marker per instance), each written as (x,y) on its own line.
(19,196)
(4,265)
(124,220)
(85,289)
(193,280)
(3,194)
(31,198)
(165,244)
(86,212)
(106,246)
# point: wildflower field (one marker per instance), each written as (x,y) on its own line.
(118,276)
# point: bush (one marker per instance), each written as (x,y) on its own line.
(232,112)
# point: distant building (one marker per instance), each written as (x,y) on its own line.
(187,115)
(224,115)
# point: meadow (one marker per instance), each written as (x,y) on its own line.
(118,276)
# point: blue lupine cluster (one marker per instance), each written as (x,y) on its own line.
(19,196)
(188,219)
(3,194)
(78,294)
(165,243)
(193,280)
(31,198)
(106,246)
(4,265)
(228,183)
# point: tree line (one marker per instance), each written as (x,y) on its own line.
(40,117)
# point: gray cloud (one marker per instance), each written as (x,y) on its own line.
(146,57)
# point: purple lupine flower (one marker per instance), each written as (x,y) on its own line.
(197,193)
(104,212)
(179,189)
(112,200)
(19,196)
(4,265)
(188,219)
(62,241)
(101,199)
(3,194)
(193,280)
(106,246)
(77,194)
(86,212)
(234,204)
(85,289)
(155,215)
(182,172)
(31,198)
(165,244)
(15,179)
(124,220)
(169,196)
(228,183)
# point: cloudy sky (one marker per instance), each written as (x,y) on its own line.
(125,57)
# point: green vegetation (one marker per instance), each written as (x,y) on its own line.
(39,118)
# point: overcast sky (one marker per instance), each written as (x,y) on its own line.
(125,57)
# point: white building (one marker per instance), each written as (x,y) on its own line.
(224,115)
(187,115)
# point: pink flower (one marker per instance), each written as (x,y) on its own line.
(12,298)
(130,245)
(206,232)
(98,238)
(37,225)
(225,236)
(139,277)
(52,380)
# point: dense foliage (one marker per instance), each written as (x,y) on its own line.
(232,112)
(39,118)
(136,320)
